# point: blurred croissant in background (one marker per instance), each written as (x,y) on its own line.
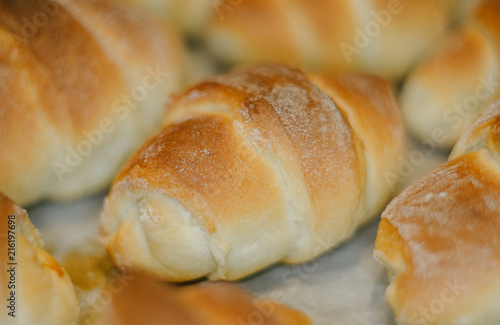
(457,80)
(82,84)
(383,37)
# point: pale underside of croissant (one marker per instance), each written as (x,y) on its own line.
(83,83)
(451,86)
(439,238)
(33,286)
(37,290)
(254,167)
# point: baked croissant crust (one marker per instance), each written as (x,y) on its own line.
(384,37)
(439,237)
(456,80)
(254,167)
(139,300)
(83,83)
(34,287)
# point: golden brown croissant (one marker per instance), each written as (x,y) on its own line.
(133,300)
(83,83)
(451,86)
(439,238)
(33,286)
(383,37)
(254,167)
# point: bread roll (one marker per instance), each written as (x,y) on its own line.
(384,37)
(37,290)
(33,286)
(439,238)
(451,86)
(254,167)
(140,300)
(83,84)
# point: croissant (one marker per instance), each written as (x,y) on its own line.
(382,37)
(37,290)
(33,286)
(139,300)
(457,80)
(83,84)
(254,167)
(439,237)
